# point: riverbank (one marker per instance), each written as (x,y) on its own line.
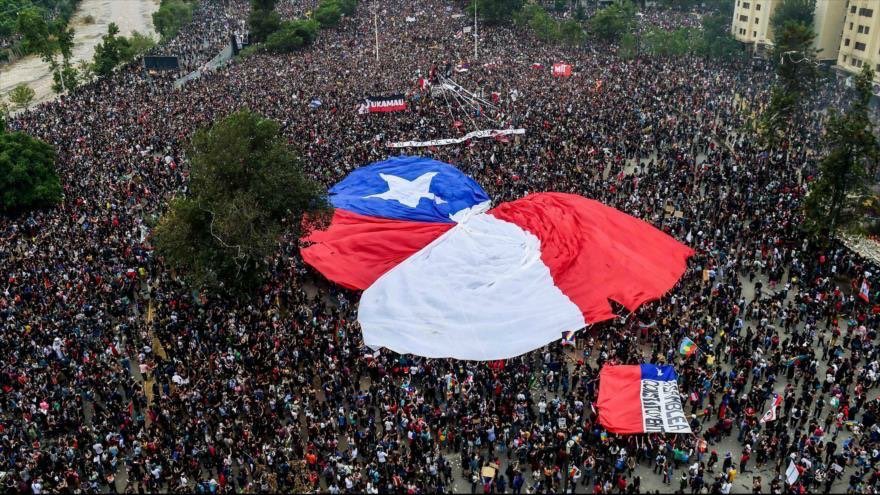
(129,15)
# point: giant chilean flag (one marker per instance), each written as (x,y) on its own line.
(444,275)
(640,399)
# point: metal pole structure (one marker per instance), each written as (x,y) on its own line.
(376,25)
(475,31)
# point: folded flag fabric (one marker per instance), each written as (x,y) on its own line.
(687,347)
(446,276)
(640,399)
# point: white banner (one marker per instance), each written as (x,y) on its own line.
(662,411)
(487,133)
(792,473)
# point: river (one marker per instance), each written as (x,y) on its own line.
(129,15)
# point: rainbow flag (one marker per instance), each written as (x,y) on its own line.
(568,338)
(687,347)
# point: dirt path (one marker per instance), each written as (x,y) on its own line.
(129,15)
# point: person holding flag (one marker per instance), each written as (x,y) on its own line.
(865,290)
(770,415)
(687,347)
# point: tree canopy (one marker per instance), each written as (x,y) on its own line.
(495,11)
(799,11)
(292,35)
(171,16)
(263,20)
(798,74)
(717,40)
(114,50)
(615,20)
(247,188)
(836,196)
(27,173)
(57,12)
(111,51)
(22,95)
(269,33)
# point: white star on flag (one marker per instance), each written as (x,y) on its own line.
(408,192)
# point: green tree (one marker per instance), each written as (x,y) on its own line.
(539,21)
(629,46)
(835,197)
(797,77)
(111,51)
(347,7)
(799,11)
(27,173)
(21,96)
(495,11)
(262,23)
(47,40)
(544,26)
(328,14)
(571,32)
(139,44)
(293,35)
(86,70)
(65,77)
(246,189)
(615,20)
(266,5)
(34,30)
(171,16)
(717,40)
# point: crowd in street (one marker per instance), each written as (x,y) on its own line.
(116,376)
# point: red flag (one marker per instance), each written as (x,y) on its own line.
(561,70)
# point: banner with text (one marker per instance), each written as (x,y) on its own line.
(393,103)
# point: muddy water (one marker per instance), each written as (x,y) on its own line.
(129,15)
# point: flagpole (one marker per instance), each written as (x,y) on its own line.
(475,31)
(376,26)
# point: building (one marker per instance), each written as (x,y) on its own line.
(751,24)
(860,43)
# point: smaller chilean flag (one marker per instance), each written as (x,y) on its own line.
(865,290)
(640,399)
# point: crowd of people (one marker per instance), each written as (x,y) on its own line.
(116,376)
